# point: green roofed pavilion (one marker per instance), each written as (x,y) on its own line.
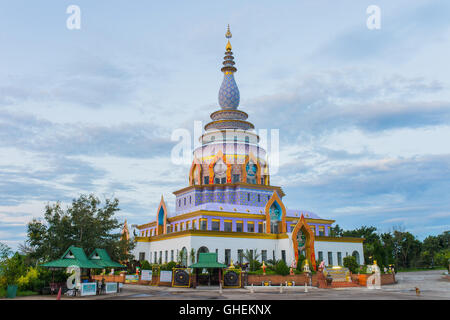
(73,256)
(207,260)
(101,258)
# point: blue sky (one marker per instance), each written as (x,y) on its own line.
(364,115)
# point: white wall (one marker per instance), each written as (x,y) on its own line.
(222,243)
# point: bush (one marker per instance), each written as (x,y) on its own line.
(169,266)
(281,268)
(145,265)
(442,258)
(351,264)
(301,259)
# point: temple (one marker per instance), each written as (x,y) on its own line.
(230,206)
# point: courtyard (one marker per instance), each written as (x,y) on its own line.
(432,286)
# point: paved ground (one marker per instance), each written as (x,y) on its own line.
(430,283)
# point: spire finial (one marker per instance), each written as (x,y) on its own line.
(228,34)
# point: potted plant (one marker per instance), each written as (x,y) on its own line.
(329,279)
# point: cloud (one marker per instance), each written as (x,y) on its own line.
(323,104)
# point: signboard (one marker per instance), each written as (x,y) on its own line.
(88,289)
(111,287)
(131,278)
(146,275)
(165,276)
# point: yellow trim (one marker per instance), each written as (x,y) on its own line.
(231,221)
(215,220)
(339,239)
(209,233)
(250,222)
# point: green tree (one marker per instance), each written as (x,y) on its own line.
(251,256)
(442,258)
(84,224)
(5,251)
(336,231)
(13,268)
(351,264)
(192,255)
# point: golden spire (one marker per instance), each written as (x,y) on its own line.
(228,36)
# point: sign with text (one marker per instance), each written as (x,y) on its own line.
(146,275)
(111,287)
(88,289)
(131,278)
(165,276)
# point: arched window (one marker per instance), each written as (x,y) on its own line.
(356,255)
(247,139)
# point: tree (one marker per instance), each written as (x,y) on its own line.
(252,258)
(282,268)
(5,251)
(192,255)
(336,231)
(84,224)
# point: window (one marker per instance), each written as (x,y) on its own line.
(141,256)
(273,255)
(356,255)
(171,255)
(264,255)
(262,180)
(250,226)
(155,257)
(166,256)
(330,258)
(292,227)
(167,229)
(261,227)
(179,202)
(339,256)
(213,138)
(227,226)
(247,139)
(321,231)
(215,225)
(320,256)
(227,256)
(313,229)
(239,226)
(206,180)
(190,199)
(184,201)
(217,180)
(240,254)
(283,255)
(194,224)
(203,224)
(160,257)
(259,198)
(248,196)
(223,180)
(268,198)
(236,178)
(235,139)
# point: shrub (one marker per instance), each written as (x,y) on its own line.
(281,268)
(351,264)
(169,266)
(442,258)
(145,265)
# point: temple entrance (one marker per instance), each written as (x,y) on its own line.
(303,242)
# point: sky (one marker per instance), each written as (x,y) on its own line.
(363,114)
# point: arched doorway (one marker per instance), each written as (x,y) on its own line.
(202,249)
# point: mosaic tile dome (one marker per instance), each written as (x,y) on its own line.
(229,93)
